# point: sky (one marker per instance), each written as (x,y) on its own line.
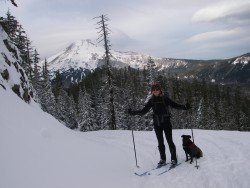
(187,29)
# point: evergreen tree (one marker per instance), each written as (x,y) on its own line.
(47,98)
(20,39)
(36,75)
(66,110)
(10,25)
(86,113)
(57,85)
(27,58)
(151,72)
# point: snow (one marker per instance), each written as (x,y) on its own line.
(14,73)
(242,60)
(38,151)
(14,79)
(85,54)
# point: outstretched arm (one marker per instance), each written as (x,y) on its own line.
(175,105)
(143,111)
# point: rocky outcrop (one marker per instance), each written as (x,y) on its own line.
(12,75)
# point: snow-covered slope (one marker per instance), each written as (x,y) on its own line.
(37,151)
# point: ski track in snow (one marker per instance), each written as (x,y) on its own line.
(224,163)
(221,165)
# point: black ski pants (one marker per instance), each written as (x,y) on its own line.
(165,126)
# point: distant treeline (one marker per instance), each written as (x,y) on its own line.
(84,106)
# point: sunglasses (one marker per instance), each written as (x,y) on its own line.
(156,89)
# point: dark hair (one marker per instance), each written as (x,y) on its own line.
(156,86)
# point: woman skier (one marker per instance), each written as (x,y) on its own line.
(161,116)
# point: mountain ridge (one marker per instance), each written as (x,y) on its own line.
(84,56)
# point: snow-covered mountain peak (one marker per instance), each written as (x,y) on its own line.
(83,56)
(87,44)
(86,55)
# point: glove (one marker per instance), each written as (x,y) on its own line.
(188,107)
(129,111)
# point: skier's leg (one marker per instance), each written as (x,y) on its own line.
(160,139)
(169,137)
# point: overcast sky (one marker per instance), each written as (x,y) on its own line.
(197,29)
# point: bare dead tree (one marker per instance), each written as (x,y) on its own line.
(104,32)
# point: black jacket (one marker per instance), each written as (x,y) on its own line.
(160,106)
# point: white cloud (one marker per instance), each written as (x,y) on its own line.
(218,44)
(216,36)
(223,29)
(239,9)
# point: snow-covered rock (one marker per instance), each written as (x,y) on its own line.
(242,60)
(12,75)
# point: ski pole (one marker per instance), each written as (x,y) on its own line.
(192,134)
(134,148)
(134,141)
(197,166)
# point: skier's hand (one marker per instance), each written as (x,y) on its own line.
(188,106)
(129,111)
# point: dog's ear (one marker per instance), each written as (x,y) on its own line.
(182,135)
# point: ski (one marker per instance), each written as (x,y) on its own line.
(170,168)
(148,172)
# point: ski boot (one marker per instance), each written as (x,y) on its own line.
(173,163)
(161,163)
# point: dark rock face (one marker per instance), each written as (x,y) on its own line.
(6,59)
(5,74)
(16,90)
(26,96)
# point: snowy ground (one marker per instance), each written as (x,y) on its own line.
(36,151)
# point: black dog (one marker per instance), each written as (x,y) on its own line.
(190,148)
